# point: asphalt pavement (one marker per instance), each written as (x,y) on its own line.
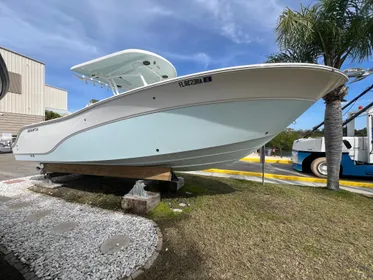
(10,168)
(272,168)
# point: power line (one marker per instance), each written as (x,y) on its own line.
(344,107)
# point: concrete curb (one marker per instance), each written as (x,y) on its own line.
(153,257)
(23,268)
(267,160)
(279,181)
(290,177)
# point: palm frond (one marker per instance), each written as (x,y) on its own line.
(292,57)
(295,28)
(280,57)
(333,29)
(362,31)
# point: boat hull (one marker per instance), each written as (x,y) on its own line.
(182,124)
(185,139)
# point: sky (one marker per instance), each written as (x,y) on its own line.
(195,35)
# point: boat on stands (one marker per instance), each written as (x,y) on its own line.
(191,122)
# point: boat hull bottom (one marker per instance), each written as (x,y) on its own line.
(195,160)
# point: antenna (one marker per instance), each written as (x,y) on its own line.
(91,80)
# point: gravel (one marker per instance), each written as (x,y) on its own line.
(27,228)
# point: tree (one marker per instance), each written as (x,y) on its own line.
(92,101)
(331,31)
(358,132)
(361,132)
(49,115)
(284,140)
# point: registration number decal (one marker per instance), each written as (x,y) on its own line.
(195,81)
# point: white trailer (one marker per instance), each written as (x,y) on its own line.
(357,152)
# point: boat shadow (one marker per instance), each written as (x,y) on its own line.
(101,185)
(194,186)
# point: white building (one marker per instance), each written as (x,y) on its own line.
(28,97)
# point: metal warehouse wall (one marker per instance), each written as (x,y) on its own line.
(10,122)
(55,98)
(30,100)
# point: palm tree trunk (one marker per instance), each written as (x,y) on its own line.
(333,135)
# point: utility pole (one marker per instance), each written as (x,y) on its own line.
(262,160)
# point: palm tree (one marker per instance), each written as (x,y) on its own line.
(329,32)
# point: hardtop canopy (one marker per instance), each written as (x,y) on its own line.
(126,70)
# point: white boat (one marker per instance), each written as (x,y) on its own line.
(192,122)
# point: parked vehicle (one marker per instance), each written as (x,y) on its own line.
(357,152)
(6,141)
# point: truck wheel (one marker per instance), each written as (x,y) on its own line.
(318,167)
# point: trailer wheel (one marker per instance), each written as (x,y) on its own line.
(318,167)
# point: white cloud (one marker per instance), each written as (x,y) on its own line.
(90,28)
(36,36)
(241,21)
(200,58)
(160,11)
(78,32)
(224,19)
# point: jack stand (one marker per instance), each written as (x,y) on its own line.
(40,169)
(176,182)
(138,189)
(45,174)
(139,201)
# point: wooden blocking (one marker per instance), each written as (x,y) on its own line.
(172,186)
(136,172)
(140,205)
(176,184)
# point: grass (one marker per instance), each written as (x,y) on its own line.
(162,210)
(96,191)
(242,230)
(105,201)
